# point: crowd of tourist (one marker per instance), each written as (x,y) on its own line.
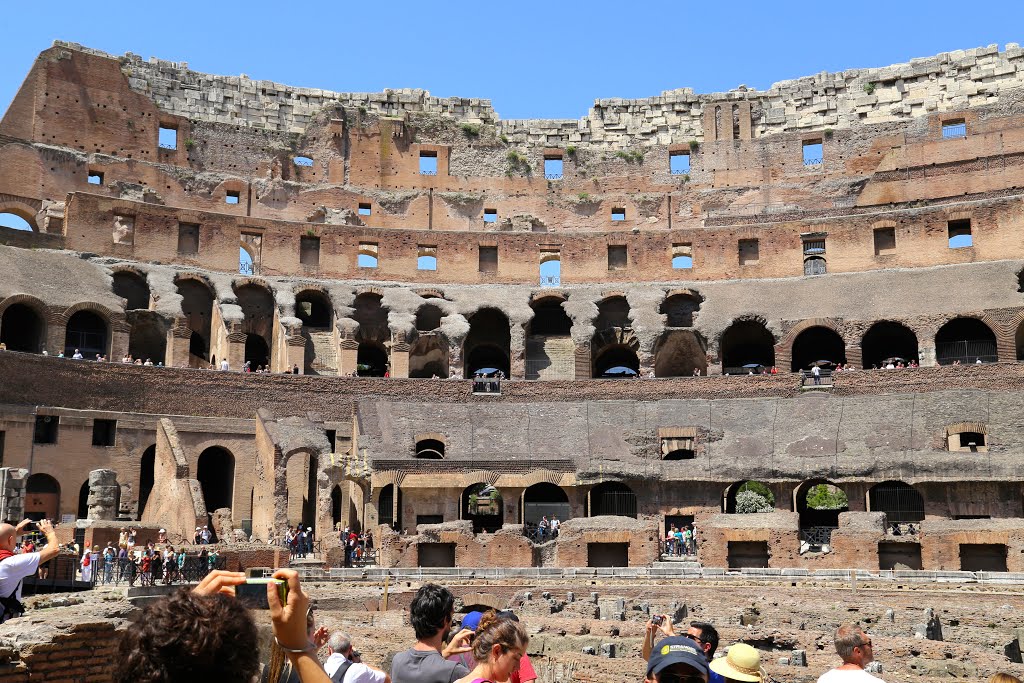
(681,541)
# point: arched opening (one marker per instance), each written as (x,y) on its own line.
(83,501)
(371,360)
(22,329)
(545,500)
(680,309)
(967,340)
(887,340)
(900,502)
(147,468)
(301,472)
(428,318)
(42,497)
(611,498)
(482,505)
(746,345)
(1020,341)
(148,337)
(372,317)
(747,497)
(819,504)
(430,449)
(612,312)
(679,352)
(87,332)
(314,309)
(817,344)
(616,362)
(550,352)
(15,222)
(336,506)
(216,474)
(246,263)
(197,307)
(428,357)
(488,343)
(257,353)
(389,511)
(815,265)
(133,288)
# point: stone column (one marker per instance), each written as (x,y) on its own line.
(104,495)
(348,358)
(12,493)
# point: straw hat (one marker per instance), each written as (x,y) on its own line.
(741,663)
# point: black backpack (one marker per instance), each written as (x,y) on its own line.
(12,606)
(339,675)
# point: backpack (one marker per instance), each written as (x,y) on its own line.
(339,675)
(12,606)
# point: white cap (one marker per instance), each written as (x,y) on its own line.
(197,528)
(163,531)
(309,528)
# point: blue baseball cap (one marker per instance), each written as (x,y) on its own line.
(472,620)
(676,650)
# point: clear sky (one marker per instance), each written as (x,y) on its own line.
(532,59)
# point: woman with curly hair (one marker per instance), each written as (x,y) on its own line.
(498,645)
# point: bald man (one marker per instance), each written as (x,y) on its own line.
(14,568)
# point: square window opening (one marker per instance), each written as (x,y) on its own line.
(428,163)
(367,255)
(364,209)
(679,163)
(618,257)
(954,129)
(550,268)
(309,250)
(618,214)
(188,238)
(232,197)
(749,252)
(490,215)
(959,233)
(45,429)
(104,432)
(553,167)
(813,152)
(488,259)
(95,178)
(168,137)
(885,241)
(682,256)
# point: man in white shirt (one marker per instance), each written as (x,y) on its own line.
(14,568)
(224,364)
(854,648)
(339,667)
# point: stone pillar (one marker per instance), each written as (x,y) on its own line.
(12,493)
(583,362)
(348,358)
(926,351)
(400,359)
(56,329)
(104,495)
(178,339)
(236,351)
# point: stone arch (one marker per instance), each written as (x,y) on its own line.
(372,359)
(147,470)
(131,285)
(372,316)
(747,341)
(966,339)
(481,602)
(489,342)
(900,502)
(677,353)
(616,361)
(888,339)
(613,311)
(197,309)
(428,317)
(733,490)
(544,499)
(88,330)
(26,210)
(680,307)
(301,471)
(815,342)
(314,308)
(42,497)
(549,317)
(215,470)
(482,504)
(611,498)
(819,513)
(256,300)
(23,324)
(430,446)
(428,356)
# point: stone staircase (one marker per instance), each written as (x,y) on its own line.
(678,562)
(325,353)
(550,358)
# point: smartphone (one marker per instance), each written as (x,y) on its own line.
(253,593)
(657,619)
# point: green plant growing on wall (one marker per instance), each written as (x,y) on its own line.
(631,157)
(189,143)
(471,130)
(827,133)
(310,232)
(571,151)
(504,138)
(694,145)
(583,196)
(869,88)
(517,162)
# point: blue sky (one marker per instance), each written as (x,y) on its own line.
(532,59)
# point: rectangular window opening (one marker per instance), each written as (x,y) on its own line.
(488,259)
(954,129)
(95,178)
(232,197)
(885,241)
(188,238)
(550,268)
(553,168)
(618,214)
(682,256)
(332,438)
(168,137)
(428,163)
(490,215)
(104,432)
(364,209)
(426,257)
(45,429)
(749,252)
(813,152)
(367,255)
(309,250)
(959,233)
(618,257)
(679,163)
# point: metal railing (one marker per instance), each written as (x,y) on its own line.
(491,385)
(246,268)
(967,352)
(428,172)
(132,571)
(824,379)
(550,280)
(817,535)
(956,130)
(165,145)
(812,162)
(553,176)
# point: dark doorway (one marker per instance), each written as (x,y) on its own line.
(371,360)
(146,475)
(22,329)
(436,555)
(982,557)
(314,309)
(386,507)
(197,307)
(488,343)
(616,362)
(966,340)
(87,332)
(482,504)
(549,318)
(679,352)
(886,340)
(336,506)
(679,309)
(817,344)
(612,498)
(746,342)
(133,289)
(900,502)
(744,554)
(612,312)
(899,555)
(83,501)
(607,554)
(428,318)
(257,353)
(545,500)
(216,475)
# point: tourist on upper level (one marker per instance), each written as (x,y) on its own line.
(77,355)
(426,661)
(14,568)
(295,369)
(224,364)
(855,649)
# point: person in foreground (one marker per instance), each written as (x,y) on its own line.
(855,649)
(343,664)
(742,663)
(431,615)
(14,568)
(498,645)
(677,659)
(206,635)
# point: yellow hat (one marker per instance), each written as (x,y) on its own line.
(741,663)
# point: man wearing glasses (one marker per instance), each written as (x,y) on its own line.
(854,648)
(701,634)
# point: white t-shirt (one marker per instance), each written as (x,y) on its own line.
(848,676)
(13,570)
(357,673)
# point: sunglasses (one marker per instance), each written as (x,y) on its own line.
(669,677)
(692,637)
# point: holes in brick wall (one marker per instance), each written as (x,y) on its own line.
(959,233)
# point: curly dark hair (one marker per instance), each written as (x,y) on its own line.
(190,637)
(429,610)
